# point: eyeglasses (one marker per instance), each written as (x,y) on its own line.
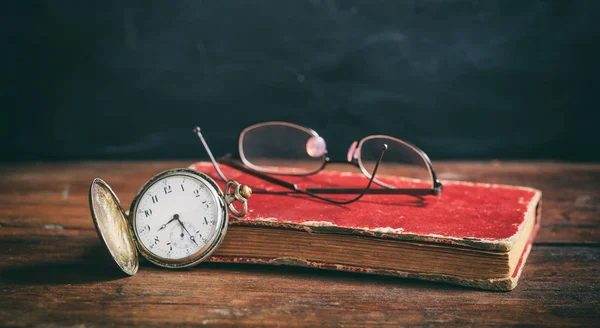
(287,149)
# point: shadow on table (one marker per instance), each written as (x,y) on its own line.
(96,265)
(93,266)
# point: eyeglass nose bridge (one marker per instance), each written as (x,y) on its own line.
(353,152)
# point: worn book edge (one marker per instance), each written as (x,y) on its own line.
(498,284)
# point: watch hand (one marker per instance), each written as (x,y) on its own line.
(191,237)
(175,217)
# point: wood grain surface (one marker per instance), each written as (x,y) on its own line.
(54,271)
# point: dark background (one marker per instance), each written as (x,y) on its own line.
(461,79)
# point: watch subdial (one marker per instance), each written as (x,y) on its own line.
(183,239)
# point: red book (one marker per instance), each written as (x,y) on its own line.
(474,234)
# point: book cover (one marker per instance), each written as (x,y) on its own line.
(485,218)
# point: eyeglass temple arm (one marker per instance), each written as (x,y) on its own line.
(212,158)
(435,191)
(396,191)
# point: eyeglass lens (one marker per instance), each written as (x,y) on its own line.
(280,148)
(401,160)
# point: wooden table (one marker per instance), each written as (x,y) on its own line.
(54,270)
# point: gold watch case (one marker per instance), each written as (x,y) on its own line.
(117,230)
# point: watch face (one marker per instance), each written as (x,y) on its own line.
(178,218)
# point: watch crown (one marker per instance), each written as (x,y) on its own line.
(246,191)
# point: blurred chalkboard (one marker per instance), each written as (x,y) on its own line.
(461,79)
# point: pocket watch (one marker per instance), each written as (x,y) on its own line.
(177,219)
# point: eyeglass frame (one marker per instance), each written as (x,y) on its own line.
(233,161)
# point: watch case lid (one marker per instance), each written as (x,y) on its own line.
(112,226)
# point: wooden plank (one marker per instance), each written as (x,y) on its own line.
(55,195)
(67,280)
(54,270)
